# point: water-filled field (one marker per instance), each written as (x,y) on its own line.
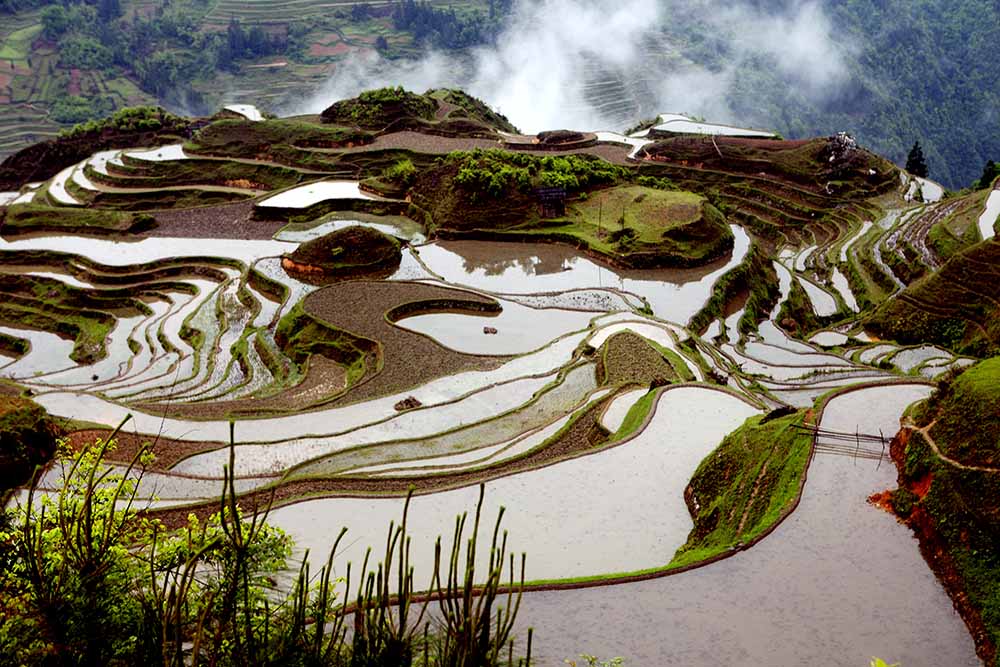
(578,392)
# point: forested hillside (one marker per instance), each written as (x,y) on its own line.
(928,70)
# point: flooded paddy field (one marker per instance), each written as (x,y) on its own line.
(584,396)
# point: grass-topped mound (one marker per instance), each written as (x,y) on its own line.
(377,109)
(136,126)
(628,358)
(835,165)
(353,251)
(742,489)
(277,140)
(955,307)
(444,112)
(495,189)
(949,479)
(471,108)
(649,227)
(503,194)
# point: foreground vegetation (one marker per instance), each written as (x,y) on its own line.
(88,579)
(950,493)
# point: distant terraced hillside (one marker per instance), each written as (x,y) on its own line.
(173,58)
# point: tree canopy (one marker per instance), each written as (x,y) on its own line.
(915,162)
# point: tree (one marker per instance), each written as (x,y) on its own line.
(237,40)
(55,21)
(915,162)
(109,10)
(990,173)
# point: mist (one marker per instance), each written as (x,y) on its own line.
(603,64)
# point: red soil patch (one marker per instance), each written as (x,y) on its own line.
(922,485)
(323,51)
(6,76)
(167,450)
(291,268)
(74,82)
(883,501)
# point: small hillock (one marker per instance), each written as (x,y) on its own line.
(441,111)
(471,108)
(377,109)
(501,194)
(354,251)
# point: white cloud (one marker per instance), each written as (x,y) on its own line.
(583,63)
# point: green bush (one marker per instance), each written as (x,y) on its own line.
(87,579)
(496,172)
(84,53)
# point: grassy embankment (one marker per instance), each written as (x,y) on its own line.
(954,506)
(954,307)
(743,488)
(300,335)
(137,173)
(50,305)
(32,217)
(755,277)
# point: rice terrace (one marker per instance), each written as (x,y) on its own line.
(715,379)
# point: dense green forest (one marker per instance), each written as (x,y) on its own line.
(918,70)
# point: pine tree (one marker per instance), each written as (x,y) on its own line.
(990,172)
(915,162)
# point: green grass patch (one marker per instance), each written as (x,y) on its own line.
(646,211)
(17,45)
(745,486)
(636,416)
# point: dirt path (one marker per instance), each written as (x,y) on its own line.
(926,432)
